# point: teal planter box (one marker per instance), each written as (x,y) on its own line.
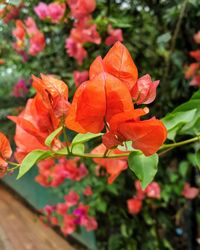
(38,196)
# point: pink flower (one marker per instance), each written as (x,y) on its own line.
(69,224)
(54,221)
(49,210)
(82,172)
(197,37)
(134,205)
(144,91)
(80,77)
(71,198)
(81,8)
(62,208)
(88,191)
(140,194)
(153,190)
(75,50)
(89,223)
(195,81)
(20,89)
(37,43)
(42,10)
(114,36)
(189,192)
(31,26)
(56,11)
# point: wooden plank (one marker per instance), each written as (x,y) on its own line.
(20,228)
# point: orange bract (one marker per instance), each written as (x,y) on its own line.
(96,101)
(5,153)
(146,136)
(119,63)
(34,124)
(54,93)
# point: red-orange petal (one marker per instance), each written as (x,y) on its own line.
(126,116)
(88,107)
(118,97)
(5,149)
(147,136)
(119,63)
(96,67)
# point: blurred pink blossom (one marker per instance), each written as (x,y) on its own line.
(88,191)
(20,89)
(81,8)
(42,10)
(134,205)
(71,198)
(114,36)
(153,190)
(56,11)
(80,77)
(190,192)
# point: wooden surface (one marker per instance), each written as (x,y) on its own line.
(20,228)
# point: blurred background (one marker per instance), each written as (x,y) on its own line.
(53,37)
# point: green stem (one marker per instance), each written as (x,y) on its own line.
(12,169)
(178,144)
(167,148)
(66,140)
(13,163)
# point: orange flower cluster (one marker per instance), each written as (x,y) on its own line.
(106,101)
(41,116)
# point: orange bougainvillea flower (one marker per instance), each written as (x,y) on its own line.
(146,136)
(96,101)
(106,93)
(34,124)
(113,166)
(5,153)
(54,93)
(117,62)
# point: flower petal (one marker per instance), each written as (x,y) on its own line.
(119,63)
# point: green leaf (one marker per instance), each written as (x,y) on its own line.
(62,151)
(183,168)
(198,159)
(164,38)
(192,159)
(175,122)
(51,137)
(81,138)
(29,161)
(185,119)
(145,168)
(78,149)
